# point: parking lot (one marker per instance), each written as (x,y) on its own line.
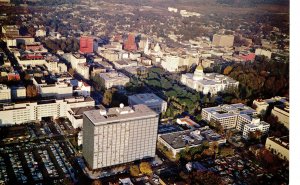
(38,155)
(241,169)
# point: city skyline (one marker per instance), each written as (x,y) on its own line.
(145,92)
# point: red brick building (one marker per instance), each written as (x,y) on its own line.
(130,44)
(86,44)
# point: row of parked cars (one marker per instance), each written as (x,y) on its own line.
(3,174)
(33,166)
(49,165)
(62,160)
(17,168)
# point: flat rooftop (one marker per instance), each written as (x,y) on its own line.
(282,141)
(262,123)
(45,100)
(118,114)
(81,110)
(164,129)
(78,56)
(112,76)
(182,139)
(230,110)
(146,98)
(283,107)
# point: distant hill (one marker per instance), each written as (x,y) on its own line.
(235,3)
(253,2)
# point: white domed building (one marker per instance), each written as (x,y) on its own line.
(207,83)
(156,51)
(198,74)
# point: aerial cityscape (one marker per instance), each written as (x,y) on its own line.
(154,92)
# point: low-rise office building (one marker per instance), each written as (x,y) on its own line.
(5,93)
(238,116)
(261,105)
(282,112)
(57,89)
(62,68)
(263,52)
(22,112)
(149,99)
(84,70)
(52,66)
(279,146)
(31,59)
(255,125)
(177,141)
(75,115)
(74,59)
(110,55)
(113,79)
(82,89)
(121,64)
(188,122)
(172,63)
(18,92)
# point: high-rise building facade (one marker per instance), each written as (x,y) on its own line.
(119,135)
(86,44)
(130,44)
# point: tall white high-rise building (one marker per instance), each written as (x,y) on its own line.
(119,135)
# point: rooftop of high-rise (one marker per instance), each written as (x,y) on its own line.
(119,114)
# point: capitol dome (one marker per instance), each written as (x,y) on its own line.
(199,68)
(157,48)
(198,74)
